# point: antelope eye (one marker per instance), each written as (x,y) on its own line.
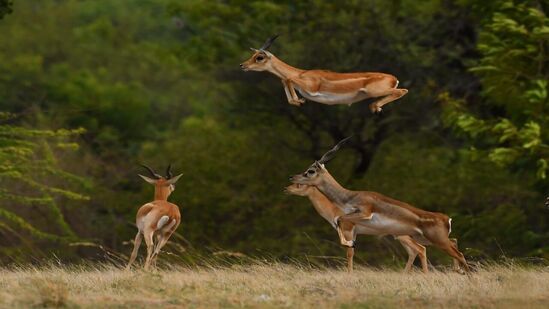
(310,172)
(259,58)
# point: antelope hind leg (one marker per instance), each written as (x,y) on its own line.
(148,235)
(136,244)
(386,97)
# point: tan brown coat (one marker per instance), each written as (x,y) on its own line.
(158,218)
(376,212)
(327,87)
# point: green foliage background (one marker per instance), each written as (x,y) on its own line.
(158,81)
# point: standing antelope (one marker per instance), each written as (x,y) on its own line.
(375,211)
(349,230)
(159,217)
(323,86)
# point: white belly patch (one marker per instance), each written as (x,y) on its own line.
(333,98)
(383,225)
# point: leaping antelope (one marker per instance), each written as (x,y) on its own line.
(348,230)
(324,86)
(375,211)
(159,217)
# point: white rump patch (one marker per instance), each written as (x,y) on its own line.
(163,220)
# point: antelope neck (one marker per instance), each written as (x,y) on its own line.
(283,70)
(323,205)
(334,191)
(160,194)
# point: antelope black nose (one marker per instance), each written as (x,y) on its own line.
(241,65)
(291,178)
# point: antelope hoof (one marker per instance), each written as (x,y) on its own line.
(375,109)
(297,102)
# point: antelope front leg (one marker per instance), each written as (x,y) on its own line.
(347,238)
(290,90)
(345,231)
(288,94)
(350,254)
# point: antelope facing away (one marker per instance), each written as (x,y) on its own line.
(379,213)
(159,217)
(348,230)
(323,86)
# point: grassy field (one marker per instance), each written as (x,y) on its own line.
(272,286)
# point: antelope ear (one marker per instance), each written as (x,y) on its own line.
(254,49)
(173,180)
(147,179)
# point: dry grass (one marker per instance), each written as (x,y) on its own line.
(272,286)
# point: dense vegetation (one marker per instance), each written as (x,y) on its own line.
(158,82)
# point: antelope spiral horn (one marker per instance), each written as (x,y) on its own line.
(269,42)
(152,172)
(169,171)
(330,154)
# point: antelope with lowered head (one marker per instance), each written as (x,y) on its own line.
(377,212)
(348,230)
(159,217)
(324,86)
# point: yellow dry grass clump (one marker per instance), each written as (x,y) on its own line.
(272,286)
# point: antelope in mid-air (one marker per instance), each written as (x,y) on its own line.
(379,213)
(349,230)
(159,217)
(324,86)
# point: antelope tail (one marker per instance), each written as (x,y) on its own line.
(162,221)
